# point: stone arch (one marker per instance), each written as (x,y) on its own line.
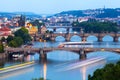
(61,29)
(118,39)
(107,38)
(92,38)
(62,55)
(59,38)
(75,38)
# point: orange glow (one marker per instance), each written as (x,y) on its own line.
(44,70)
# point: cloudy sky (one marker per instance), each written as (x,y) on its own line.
(54,6)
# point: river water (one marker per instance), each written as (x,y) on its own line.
(58,61)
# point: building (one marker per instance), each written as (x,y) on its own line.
(43,29)
(33,29)
(5,32)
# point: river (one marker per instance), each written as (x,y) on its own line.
(58,61)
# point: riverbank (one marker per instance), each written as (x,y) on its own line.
(3,55)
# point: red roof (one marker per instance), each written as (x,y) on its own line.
(5,34)
(5,29)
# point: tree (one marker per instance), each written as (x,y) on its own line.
(3,39)
(12,44)
(23,33)
(37,23)
(96,27)
(39,79)
(1,48)
(26,38)
(9,38)
(109,72)
(16,42)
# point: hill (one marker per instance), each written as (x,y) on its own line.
(98,13)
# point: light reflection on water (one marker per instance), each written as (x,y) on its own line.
(59,60)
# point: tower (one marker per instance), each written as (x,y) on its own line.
(21,22)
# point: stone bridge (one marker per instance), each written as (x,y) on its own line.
(43,51)
(83,36)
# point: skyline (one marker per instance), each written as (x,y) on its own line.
(54,6)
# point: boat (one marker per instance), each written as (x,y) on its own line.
(17,55)
(61,45)
(16,67)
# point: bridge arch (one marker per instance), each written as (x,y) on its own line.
(59,38)
(92,38)
(107,38)
(75,38)
(118,39)
(61,30)
(62,55)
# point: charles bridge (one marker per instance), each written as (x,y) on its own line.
(67,35)
(83,36)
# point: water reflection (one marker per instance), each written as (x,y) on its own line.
(45,70)
(16,72)
(61,59)
(84,69)
(83,73)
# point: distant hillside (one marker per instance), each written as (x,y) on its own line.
(74,13)
(99,13)
(10,15)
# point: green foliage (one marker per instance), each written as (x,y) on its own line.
(37,23)
(12,43)
(9,38)
(39,79)
(95,26)
(1,48)
(109,72)
(3,39)
(16,42)
(23,33)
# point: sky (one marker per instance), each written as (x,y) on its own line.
(54,6)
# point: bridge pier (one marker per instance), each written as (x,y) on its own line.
(54,29)
(115,39)
(83,38)
(52,37)
(67,37)
(43,56)
(67,30)
(82,54)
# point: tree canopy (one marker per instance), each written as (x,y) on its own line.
(16,42)
(23,33)
(109,72)
(9,38)
(95,26)
(37,23)
(1,48)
